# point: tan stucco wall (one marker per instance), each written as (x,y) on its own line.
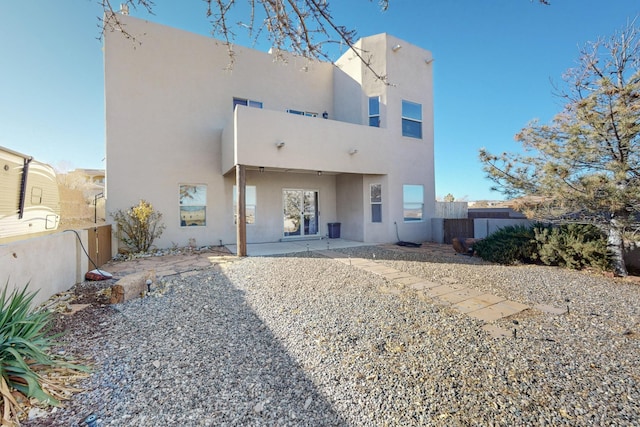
(170,121)
(269,187)
(350,207)
(310,143)
(49,264)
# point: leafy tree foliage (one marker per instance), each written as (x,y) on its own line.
(585,165)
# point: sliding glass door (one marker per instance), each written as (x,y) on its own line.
(300,212)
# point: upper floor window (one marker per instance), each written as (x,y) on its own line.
(411,119)
(247,102)
(374,111)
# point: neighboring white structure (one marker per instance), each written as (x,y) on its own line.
(29,198)
(321,143)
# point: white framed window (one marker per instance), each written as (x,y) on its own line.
(247,102)
(375,191)
(374,111)
(193,205)
(250,204)
(411,119)
(413,202)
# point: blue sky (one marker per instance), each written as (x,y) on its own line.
(494,60)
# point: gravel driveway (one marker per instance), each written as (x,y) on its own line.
(302,340)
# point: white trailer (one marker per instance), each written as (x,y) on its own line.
(29,198)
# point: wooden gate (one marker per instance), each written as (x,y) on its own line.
(99,245)
(457,227)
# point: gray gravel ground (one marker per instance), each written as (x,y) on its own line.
(304,340)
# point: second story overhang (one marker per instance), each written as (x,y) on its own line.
(275,139)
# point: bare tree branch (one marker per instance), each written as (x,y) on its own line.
(304,27)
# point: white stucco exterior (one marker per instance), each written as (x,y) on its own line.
(170,121)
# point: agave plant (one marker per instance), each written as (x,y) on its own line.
(27,369)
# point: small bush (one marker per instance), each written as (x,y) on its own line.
(25,361)
(573,246)
(509,245)
(139,226)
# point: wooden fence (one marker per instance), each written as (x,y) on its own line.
(99,245)
(457,227)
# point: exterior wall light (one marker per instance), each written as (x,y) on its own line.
(353,151)
(319,173)
(280,144)
(396,48)
(261,169)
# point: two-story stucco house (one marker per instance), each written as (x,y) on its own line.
(309,143)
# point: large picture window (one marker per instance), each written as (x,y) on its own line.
(250,204)
(376,202)
(374,111)
(193,205)
(413,202)
(411,119)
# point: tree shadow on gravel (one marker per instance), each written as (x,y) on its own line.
(197,356)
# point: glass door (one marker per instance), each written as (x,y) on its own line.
(300,212)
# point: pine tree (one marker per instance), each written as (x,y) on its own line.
(585,165)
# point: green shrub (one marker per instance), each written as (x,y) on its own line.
(573,246)
(25,359)
(139,226)
(509,245)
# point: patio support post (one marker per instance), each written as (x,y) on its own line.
(241,223)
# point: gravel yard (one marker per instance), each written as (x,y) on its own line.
(305,340)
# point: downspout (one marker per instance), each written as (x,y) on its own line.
(23,186)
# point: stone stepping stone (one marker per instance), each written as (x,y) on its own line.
(441,290)
(424,284)
(498,311)
(477,303)
(460,295)
(396,275)
(381,270)
(406,281)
